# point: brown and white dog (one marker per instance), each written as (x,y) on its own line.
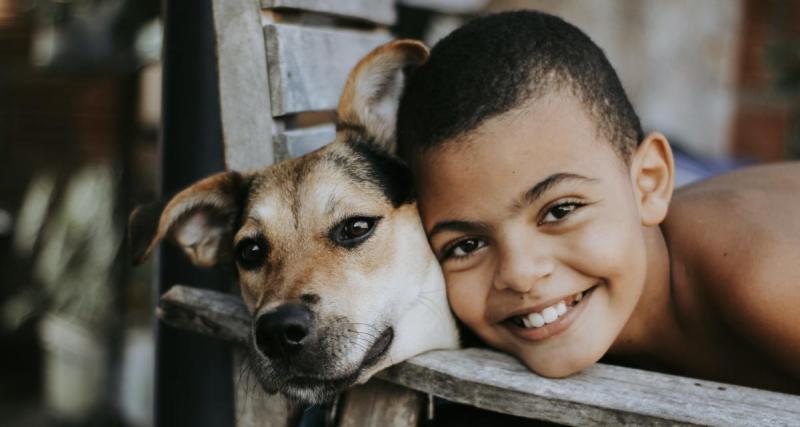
(331,256)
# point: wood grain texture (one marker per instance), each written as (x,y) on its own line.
(381,404)
(247,127)
(377,11)
(601,395)
(309,66)
(208,312)
(297,142)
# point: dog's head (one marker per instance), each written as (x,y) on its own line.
(331,255)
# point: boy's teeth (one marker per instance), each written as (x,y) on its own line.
(549,314)
(535,319)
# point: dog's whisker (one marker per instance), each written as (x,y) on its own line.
(364,341)
(364,324)
(432,306)
(362,334)
(359,333)
(369,337)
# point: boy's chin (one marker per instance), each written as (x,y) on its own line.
(555,370)
(557,364)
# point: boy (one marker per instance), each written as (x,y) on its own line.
(552,215)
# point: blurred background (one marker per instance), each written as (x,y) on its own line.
(81,144)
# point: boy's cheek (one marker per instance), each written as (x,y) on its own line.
(464,303)
(608,249)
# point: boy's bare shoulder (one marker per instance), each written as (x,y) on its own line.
(737,237)
(739,219)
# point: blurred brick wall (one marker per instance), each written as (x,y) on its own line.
(52,121)
(49,122)
(765,127)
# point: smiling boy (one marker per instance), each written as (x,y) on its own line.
(554,220)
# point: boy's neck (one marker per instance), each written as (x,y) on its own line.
(653,330)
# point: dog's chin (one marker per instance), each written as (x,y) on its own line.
(311,389)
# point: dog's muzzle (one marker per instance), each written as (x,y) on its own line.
(303,360)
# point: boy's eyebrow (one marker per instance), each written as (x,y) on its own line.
(457,225)
(525,199)
(530,196)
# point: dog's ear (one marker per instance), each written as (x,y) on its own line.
(199,219)
(368,105)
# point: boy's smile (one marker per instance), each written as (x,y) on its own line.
(535,220)
(548,319)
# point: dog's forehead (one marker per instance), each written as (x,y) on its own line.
(342,176)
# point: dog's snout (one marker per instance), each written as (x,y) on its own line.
(283,331)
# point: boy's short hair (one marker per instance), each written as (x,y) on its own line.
(500,62)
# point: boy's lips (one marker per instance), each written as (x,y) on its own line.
(550,320)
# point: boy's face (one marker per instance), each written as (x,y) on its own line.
(535,222)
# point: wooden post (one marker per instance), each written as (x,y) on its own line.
(381,404)
(193,373)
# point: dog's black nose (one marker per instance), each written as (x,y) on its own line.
(283,331)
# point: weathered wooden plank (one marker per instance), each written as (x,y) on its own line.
(601,395)
(308,66)
(208,312)
(377,11)
(448,6)
(381,404)
(297,142)
(247,127)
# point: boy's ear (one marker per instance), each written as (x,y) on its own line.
(200,219)
(652,173)
(368,105)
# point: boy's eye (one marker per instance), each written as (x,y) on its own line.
(558,212)
(464,248)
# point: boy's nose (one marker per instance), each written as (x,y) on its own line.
(521,271)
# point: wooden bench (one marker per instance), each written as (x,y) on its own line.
(281,67)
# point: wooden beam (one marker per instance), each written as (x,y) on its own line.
(247,126)
(308,66)
(378,11)
(212,313)
(601,395)
(297,142)
(448,6)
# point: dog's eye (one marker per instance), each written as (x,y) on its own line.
(251,253)
(353,231)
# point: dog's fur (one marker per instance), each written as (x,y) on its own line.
(374,303)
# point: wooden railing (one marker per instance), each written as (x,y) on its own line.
(601,395)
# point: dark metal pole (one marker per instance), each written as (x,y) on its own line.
(194,385)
